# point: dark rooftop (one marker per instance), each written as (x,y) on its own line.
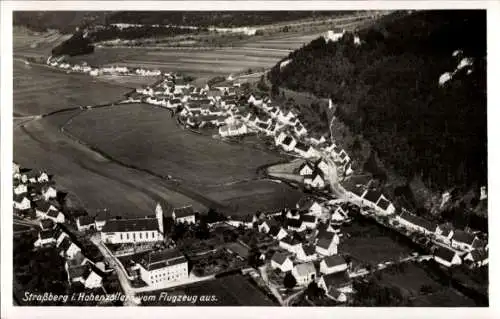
(125,225)
(183,211)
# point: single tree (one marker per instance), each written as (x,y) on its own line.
(289,281)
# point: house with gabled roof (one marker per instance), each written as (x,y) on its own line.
(46,224)
(277,232)
(293,214)
(304,150)
(327,246)
(291,244)
(22,202)
(304,273)
(288,143)
(56,216)
(45,238)
(462,240)
(295,224)
(315,180)
(84,223)
(447,257)
(163,267)
(307,253)
(309,221)
(477,257)
(305,169)
(184,214)
(444,232)
(48,192)
(339,215)
(321,165)
(333,264)
(310,206)
(336,285)
(375,199)
(299,129)
(281,261)
(416,223)
(20,189)
(266,225)
(86,274)
(67,248)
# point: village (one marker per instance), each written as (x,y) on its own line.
(283,251)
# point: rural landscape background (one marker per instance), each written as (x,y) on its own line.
(424,143)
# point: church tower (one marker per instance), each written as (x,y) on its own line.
(159,217)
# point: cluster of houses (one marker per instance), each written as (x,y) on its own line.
(96,71)
(307,235)
(224,107)
(455,246)
(35,195)
(80,270)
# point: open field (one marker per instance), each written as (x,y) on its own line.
(227,291)
(36,43)
(148,137)
(91,180)
(369,244)
(40,90)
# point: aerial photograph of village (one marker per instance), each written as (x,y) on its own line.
(250,158)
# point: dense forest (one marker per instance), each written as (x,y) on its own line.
(223,19)
(132,33)
(75,45)
(64,21)
(387,89)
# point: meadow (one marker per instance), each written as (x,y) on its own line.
(233,290)
(148,138)
(40,90)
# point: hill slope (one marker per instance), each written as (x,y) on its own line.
(387,89)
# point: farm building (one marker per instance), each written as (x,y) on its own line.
(46,224)
(163,267)
(304,273)
(282,262)
(447,257)
(332,264)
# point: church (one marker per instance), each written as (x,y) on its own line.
(136,230)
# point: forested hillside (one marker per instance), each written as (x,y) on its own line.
(223,19)
(387,89)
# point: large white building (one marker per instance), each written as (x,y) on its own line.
(139,230)
(160,268)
